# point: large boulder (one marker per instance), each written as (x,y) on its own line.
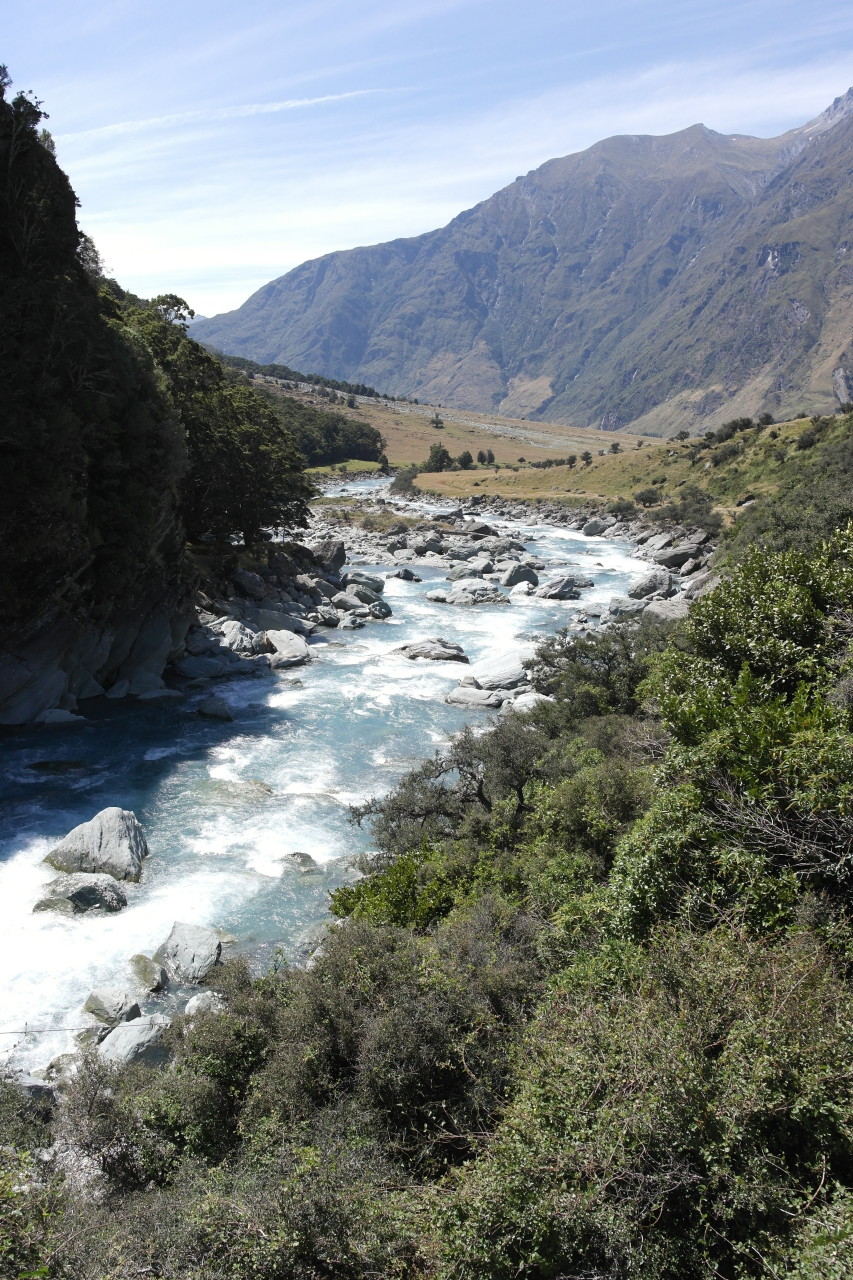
(566,587)
(463,570)
(518,573)
(331,553)
(675,557)
(472,591)
(241,639)
(112,843)
(622,605)
(358,578)
(250,584)
(525,702)
(75,894)
(668,610)
(380,609)
(190,952)
(406,574)
(200,668)
(278,620)
(505,672)
(434,650)
(652,583)
(139,1042)
(112,1006)
(596,526)
(346,601)
(289,650)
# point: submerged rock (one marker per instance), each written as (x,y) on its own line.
(189,952)
(81,892)
(112,843)
(215,708)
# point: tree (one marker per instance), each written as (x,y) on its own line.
(647,497)
(615,447)
(439,459)
(465,460)
(683,435)
(586,457)
(490,455)
(572,459)
(481,456)
(436,421)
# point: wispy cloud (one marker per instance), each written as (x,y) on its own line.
(207,115)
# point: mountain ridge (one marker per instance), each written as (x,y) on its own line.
(642,282)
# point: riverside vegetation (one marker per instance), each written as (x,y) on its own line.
(587,1014)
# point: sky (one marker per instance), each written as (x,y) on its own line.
(213,148)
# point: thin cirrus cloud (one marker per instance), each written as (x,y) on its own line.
(209,115)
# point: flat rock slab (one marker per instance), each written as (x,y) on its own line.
(434,650)
(499,673)
(112,843)
(468,696)
(73,895)
(190,952)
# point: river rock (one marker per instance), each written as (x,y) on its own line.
(112,843)
(701,584)
(525,702)
(358,578)
(204,1002)
(566,587)
(468,696)
(621,606)
(435,649)
(331,553)
(278,620)
(675,557)
(189,952)
(289,650)
(346,601)
(657,580)
(215,708)
(363,594)
(240,638)
(596,526)
(472,592)
(250,584)
(150,975)
(463,570)
(505,672)
(301,861)
(81,892)
(137,1043)
(112,1005)
(349,622)
(380,609)
(519,573)
(200,668)
(406,574)
(668,610)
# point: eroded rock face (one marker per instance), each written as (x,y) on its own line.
(75,894)
(112,843)
(189,952)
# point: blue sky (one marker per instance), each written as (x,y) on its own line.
(214,147)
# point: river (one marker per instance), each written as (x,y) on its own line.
(221,803)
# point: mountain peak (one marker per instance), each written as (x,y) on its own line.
(837,111)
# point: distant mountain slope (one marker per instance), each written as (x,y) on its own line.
(658,282)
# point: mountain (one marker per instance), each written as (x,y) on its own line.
(656,282)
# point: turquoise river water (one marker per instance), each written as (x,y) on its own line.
(221,803)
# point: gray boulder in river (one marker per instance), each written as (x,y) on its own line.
(190,952)
(566,587)
(112,843)
(112,1005)
(435,650)
(149,974)
(290,650)
(75,894)
(468,696)
(499,673)
(650,584)
(137,1042)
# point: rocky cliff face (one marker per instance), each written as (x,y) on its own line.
(658,282)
